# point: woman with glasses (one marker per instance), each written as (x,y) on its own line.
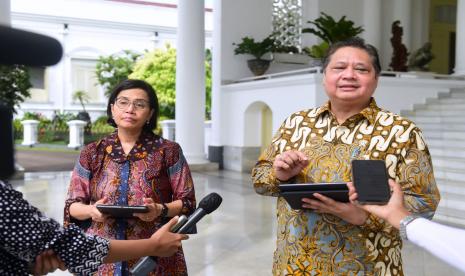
(131,166)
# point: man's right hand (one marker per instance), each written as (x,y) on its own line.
(166,243)
(288,164)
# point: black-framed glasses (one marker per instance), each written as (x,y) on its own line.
(124,103)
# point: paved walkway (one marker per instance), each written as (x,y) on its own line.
(238,239)
(33,160)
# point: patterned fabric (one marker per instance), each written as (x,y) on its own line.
(25,232)
(157,169)
(310,243)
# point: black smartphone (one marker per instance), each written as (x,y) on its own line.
(371,181)
(122,211)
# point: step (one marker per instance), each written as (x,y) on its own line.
(445,135)
(203,167)
(437,119)
(457,94)
(445,100)
(440,106)
(451,174)
(432,113)
(447,187)
(448,159)
(458,144)
(442,126)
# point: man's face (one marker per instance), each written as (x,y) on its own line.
(350,77)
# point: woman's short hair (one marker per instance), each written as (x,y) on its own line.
(355,42)
(134,84)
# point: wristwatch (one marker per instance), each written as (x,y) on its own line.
(403,225)
(164,211)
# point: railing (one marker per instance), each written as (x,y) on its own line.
(316,70)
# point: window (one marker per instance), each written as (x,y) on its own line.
(287,22)
(37,78)
(84,78)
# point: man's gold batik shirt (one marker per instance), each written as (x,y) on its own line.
(310,243)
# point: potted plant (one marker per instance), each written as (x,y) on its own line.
(288,54)
(249,46)
(329,31)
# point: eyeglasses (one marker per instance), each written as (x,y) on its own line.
(124,103)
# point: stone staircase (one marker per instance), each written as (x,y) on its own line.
(442,121)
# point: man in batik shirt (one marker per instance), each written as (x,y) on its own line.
(318,145)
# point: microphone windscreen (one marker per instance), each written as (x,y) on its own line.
(27,48)
(210,202)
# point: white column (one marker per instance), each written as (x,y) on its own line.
(76,133)
(216,74)
(30,132)
(460,39)
(372,22)
(5,11)
(190,79)
(402,11)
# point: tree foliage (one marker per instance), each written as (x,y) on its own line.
(14,85)
(158,68)
(113,69)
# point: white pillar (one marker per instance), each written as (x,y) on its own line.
(5,11)
(30,132)
(460,39)
(402,10)
(372,22)
(216,73)
(190,79)
(76,133)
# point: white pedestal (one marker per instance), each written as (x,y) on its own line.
(30,132)
(168,128)
(76,133)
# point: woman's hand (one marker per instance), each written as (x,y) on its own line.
(346,211)
(95,214)
(165,243)
(288,164)
(154,210)
(46,262)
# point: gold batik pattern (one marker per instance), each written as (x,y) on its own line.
(309,243)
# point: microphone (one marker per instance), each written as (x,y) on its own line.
(208,204)
(27,48)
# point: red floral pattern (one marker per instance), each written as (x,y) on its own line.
(158,169)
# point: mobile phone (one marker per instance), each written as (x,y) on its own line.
(371,181)
(181,221)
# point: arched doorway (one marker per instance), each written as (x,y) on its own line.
(258,125)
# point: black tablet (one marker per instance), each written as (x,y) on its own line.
(293,193)
(122,211)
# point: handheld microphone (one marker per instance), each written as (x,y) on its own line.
(27,48)
(208,204)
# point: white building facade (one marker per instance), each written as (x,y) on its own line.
(88,29)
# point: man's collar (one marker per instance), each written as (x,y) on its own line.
(370,112)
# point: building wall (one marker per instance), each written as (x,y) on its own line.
(88,29)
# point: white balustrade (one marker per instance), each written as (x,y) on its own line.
(168,128)
(30,132)
(76,133)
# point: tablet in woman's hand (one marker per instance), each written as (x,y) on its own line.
(122,211)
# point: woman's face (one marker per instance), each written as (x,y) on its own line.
(131,109)
(350,77)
